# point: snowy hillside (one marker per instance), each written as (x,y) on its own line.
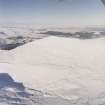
(69,68)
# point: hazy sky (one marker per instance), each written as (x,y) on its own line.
(53,12)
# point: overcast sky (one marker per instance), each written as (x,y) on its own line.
(53,12)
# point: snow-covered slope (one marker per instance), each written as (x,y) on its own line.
(14,93)
(70,68)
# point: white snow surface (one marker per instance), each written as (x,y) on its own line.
(70,68)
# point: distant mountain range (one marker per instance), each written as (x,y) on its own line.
(12,37)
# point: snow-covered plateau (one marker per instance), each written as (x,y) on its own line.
(55,70)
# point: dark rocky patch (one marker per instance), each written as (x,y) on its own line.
(7,81)
(79,35)
(10,46)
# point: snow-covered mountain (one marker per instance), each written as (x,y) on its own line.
(61,67)
(72,69)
